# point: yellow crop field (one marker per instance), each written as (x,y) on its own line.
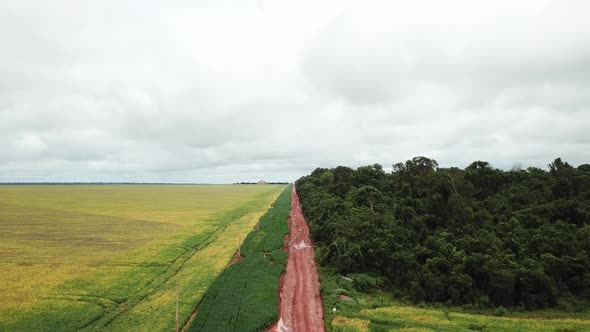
(112,257)
(408,318)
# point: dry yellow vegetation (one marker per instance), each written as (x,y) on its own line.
(350,324)
(408,318)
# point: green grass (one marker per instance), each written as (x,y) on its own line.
(110,257)
(400,318)
(381,312)
(244,297)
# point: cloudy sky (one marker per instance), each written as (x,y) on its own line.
(223,91)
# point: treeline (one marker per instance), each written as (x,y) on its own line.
(477,235)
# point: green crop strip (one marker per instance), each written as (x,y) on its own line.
(244,296)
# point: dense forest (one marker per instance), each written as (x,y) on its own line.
(477,235)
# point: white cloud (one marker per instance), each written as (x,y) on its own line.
(231,91)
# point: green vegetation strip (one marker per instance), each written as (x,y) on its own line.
(408,318)
(244,296)
(378,311)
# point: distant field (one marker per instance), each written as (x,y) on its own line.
(111,256)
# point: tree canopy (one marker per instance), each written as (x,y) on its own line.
(473,235)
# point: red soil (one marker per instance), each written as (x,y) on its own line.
(300,308)
(275,326)
(237,257)
(191,319)
(285,248)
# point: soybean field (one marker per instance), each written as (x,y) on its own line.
(244,297)
(113,257)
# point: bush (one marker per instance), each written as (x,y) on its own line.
(478,327)
(501,311)
(483,301)
(365,283)
(340,291)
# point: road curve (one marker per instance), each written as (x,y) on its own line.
(301,304)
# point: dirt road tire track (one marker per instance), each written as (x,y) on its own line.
(301,305)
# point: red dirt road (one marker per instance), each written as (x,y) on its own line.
(301,304)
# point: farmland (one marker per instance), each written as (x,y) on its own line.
(244,297)
(88,257)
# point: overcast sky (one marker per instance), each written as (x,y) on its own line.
(224,91)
